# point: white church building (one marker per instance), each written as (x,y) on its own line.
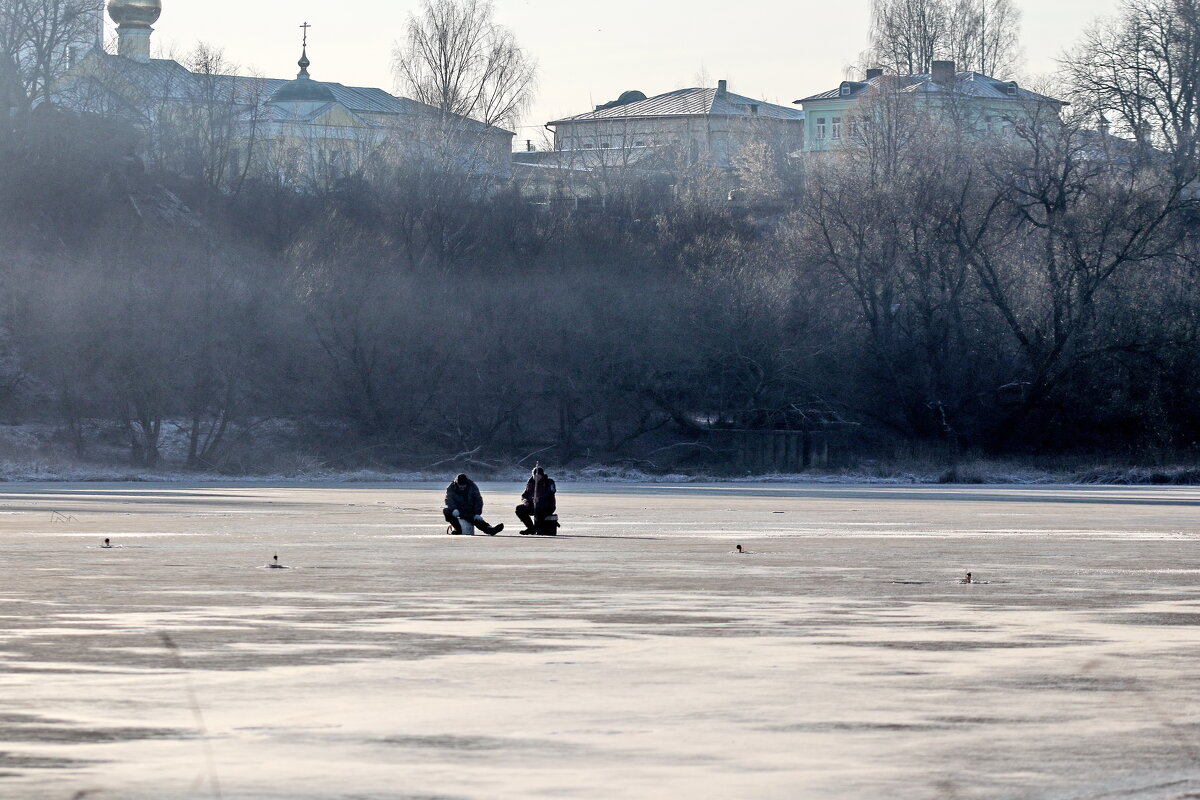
(299,130)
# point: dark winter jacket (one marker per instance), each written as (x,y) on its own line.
(465,499)
(540,496)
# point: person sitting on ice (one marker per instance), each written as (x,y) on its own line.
(967,579)
(537,501)
(465,503)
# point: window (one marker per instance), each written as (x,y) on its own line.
(820,127)
(639,143)
(837,128)
(604,144)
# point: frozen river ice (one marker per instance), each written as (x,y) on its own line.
(638,657)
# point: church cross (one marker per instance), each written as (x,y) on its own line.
(306,26)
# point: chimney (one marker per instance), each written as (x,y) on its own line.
(943,72)
(874,73)
(722,87)
(529,145)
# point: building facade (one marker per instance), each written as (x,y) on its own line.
(300,131)
(659,143)
(976,102)
(701,125)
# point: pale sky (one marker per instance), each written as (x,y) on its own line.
(588,53)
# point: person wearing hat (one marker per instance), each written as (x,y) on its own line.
(464,502)
(537,501)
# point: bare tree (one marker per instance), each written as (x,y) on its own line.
(907,35)
(1049,234)
(614,163)
(38,39)
(996,39)
(979,35)
(220,121)
(1141,71)
(457,59)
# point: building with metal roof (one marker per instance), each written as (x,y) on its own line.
(986,104)
(698,125)
(300,130)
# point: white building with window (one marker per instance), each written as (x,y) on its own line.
(984,104)
(702,126)
(301,130)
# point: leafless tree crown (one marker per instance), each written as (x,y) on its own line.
(979,35)
(456,58)
(36,41)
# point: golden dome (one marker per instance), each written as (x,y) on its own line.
(135,13)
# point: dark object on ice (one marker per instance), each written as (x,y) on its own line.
(543,527)
(967,579)
(455,528)
(107,544)
(464,502)
(275,563)
(462,495)
(538,505)
(740,550)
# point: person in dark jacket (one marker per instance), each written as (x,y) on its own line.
(537,501)
(464,502)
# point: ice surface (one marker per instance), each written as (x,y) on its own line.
(636,656)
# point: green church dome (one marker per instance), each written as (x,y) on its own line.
(304,89)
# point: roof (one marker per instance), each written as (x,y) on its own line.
(966,84)
(690,103)
(303,90)
(168,79)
